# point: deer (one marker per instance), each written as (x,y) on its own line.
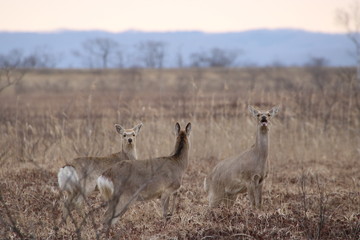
(243,173)
(77,179)
(143,180)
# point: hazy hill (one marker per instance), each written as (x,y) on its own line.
(259,47)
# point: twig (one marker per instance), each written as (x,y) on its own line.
(13,223)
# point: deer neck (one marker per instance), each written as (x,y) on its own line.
(130,150)
(262,144)
(181,150)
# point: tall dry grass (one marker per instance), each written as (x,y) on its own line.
(312,191)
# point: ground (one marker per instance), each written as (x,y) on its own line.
(312,190)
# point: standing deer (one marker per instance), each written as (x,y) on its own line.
(78,178)
(143,180)
(245,172)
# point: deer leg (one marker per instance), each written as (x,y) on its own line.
(117,207)
(110,212)
(78,203)
(165,197)
(66,208)
(175,197)
(258,196)
(215,199)
(251,194)
(257,183)
(70,202)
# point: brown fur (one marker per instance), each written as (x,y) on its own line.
(145,179)
(87,169)
(243,173)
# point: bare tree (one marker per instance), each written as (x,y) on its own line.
(120,59)
(42,58)
(316,66)
(98,52)
(14,65)
(350,20)
(152,54)
(179,60)
(327,85)
(216,57)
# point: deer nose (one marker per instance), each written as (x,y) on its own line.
(129,140)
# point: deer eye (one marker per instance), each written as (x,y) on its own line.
(258,115)
(133,134)
(268,114)
(124,135)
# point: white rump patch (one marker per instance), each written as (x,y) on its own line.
(68,179)
(106,187)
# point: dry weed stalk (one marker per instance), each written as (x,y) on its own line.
(40,125)
(312,227)
(12,224)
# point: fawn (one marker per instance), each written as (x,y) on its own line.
(245,172)
(78,178)
(143,180)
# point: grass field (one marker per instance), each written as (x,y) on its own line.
(312,190)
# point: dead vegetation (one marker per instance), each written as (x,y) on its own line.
(312,190)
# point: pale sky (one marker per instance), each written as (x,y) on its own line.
(170,15)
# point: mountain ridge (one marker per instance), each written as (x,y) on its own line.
(261,47)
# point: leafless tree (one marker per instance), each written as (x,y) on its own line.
(14,65)
(216,57)
(326,83)
(98,52)
(42,58)
(316,67)
(179,60)
(350,20)
(152,54)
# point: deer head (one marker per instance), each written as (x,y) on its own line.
(263,117)
(128,135)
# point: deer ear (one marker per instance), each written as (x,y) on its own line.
(119,129)
(137,128)
(253,111)
(274,111)
(177,128)
(188,129)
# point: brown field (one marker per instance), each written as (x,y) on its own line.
(312,190)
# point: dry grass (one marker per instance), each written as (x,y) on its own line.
(313,188)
